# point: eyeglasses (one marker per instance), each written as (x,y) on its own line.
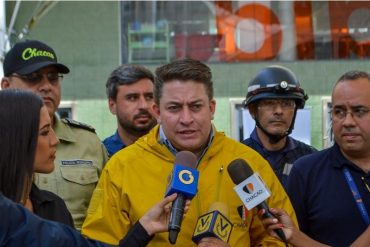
(271,104)
(339,114)
(35,77)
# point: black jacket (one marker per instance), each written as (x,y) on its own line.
(49,206)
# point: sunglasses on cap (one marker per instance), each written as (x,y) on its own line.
(34,78)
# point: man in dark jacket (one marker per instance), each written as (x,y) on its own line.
(273,98)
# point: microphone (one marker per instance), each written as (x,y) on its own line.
(184,182)
(251,189)
(215,223)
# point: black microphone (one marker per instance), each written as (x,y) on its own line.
(184,182)
(215,224)
(252,192)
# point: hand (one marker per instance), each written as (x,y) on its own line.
(212,242)
(292,233)
(282,221)
(363,240)
(156,219)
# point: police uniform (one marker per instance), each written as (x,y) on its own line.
(281,161)
(80,158)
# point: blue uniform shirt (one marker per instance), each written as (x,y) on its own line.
(322,199)
(113,144)
(282,160)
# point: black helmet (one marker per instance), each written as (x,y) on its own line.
(275,82)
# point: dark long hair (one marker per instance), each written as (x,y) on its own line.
(19,128)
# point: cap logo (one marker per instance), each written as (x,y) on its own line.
(29,53)
(283,84)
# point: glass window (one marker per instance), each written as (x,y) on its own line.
(239,31)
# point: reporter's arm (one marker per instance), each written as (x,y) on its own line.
(154,221)
(363,240)
(293,234)
(20,227)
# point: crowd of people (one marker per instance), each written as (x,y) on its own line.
(59,178)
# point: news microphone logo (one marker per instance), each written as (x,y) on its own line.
(212,224)
(183,180)
(252,191)
(186,177)
(249,188)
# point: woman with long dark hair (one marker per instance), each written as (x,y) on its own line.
(28,145)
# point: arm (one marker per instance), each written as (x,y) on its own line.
(292,233)
(154,221)
(363,240)
(20,227)
(105,156)
(297,191)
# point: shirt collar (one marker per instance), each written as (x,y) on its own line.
(37,197)
(165,141)
(340,160)
(117,139)
(290,145)
(113,143)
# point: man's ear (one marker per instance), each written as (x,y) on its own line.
(112,104)
(5,83)
(156,112)
(212,107)
(252,108)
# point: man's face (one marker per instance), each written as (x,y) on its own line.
(275,115)
(185,113)
(351,117)
(48,89)
(133,107)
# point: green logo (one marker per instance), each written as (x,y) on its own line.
(29,53)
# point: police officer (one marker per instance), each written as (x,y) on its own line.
(80,155)
(273,97)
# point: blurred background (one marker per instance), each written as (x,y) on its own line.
(317,40)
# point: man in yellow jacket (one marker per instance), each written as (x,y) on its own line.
(136,177)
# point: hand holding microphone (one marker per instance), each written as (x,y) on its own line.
(251,190)
(184,182)
(156,219)
(282,221)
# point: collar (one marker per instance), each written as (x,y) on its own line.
(37,197)
(289,146)
(113,143)
(165,141)
(340,160)
(117,139)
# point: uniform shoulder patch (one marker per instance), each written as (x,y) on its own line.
(77,124)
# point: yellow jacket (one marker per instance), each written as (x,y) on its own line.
(135,179)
